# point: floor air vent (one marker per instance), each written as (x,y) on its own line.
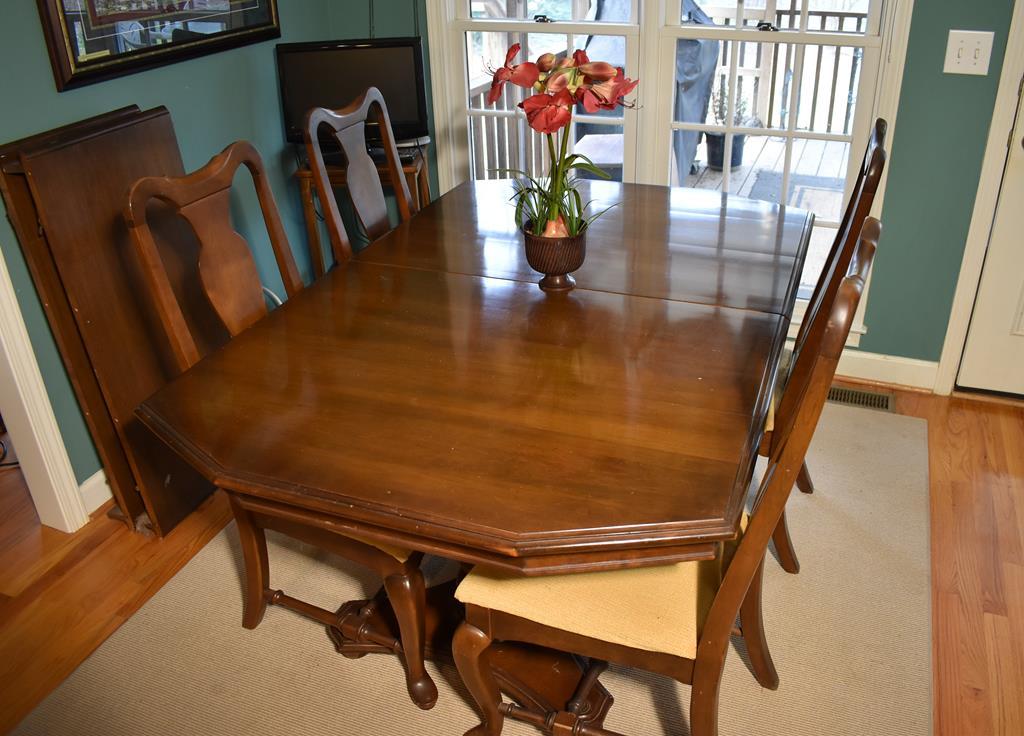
(859,397)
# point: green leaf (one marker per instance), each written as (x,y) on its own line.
(592,169)
(595,216)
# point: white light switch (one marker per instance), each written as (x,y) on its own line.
(968,52)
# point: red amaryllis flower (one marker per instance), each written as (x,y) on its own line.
(548,113)
(558,80)
(523,75)
(599,71)
(546,62)
(607,95)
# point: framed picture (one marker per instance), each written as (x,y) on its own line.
(93,40)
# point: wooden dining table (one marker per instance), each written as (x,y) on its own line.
(428,394)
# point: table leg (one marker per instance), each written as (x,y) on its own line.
(540,679)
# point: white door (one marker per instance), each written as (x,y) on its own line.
(994,354)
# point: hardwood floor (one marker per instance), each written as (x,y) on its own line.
(62,595)
(976,451)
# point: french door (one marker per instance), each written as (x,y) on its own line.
(786,112)
(767,99)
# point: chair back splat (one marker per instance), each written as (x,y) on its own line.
(348,128)
(227,270)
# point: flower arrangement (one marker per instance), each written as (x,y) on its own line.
(552,205)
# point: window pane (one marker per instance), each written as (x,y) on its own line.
(828,89)
(689,161)
(786,13)
(485,51)
(817,252)
(817,179)
(561,10)
(702,72)
(602,144)
(756,163)
(611,49)
(846,16)
(764,73)
(499,144)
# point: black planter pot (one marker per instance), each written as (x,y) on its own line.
(716,150)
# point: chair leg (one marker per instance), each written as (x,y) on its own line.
(408,599)
(257,566)
(784,546)
(803,480)
(469,648)
(707,677)
(752,626)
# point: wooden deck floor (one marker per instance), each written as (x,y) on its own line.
(62,595)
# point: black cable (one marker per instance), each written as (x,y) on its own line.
(373,29)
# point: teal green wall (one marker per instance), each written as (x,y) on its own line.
(213,100)
(934,171)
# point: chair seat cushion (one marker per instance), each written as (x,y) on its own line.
(656,609)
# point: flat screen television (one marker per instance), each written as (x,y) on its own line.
(332,74)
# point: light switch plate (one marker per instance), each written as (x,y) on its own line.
(968,52)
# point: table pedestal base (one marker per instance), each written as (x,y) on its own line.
(539,679)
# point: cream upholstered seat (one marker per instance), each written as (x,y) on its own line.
(657,609)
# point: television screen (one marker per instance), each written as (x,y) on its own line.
(332,74)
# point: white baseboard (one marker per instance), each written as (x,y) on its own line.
(888,369)
(95,491)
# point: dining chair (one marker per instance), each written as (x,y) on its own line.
(862,198)
(675,620)
(228,278)
(347,128)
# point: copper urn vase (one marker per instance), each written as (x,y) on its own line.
(556,258)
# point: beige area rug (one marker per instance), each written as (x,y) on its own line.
(850,633)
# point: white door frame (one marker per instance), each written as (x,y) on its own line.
(989,184)
(29,417)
